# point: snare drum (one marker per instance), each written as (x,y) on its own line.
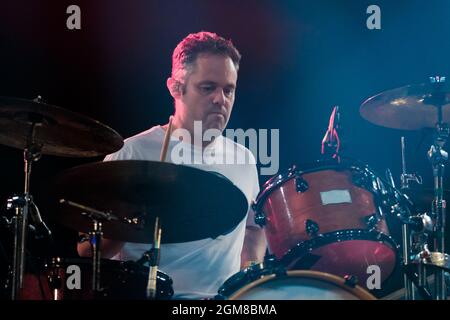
(71,279)
(329,218)
(258,283)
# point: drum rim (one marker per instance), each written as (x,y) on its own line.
(248,275)
(337,281)
(294,171)
(304,247)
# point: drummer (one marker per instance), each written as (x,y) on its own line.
(203,85)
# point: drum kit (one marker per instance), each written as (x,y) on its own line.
(332,218)
(326,224)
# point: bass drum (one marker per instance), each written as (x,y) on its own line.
(290,285)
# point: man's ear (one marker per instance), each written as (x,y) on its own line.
(174,87)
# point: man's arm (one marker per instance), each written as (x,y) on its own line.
(255,245)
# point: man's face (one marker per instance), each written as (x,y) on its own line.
(208,94)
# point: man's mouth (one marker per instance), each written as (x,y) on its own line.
(218,113)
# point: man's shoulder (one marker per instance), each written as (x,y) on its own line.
(154,133)
(140,145)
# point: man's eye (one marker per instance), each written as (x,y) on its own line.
(206,89)
(228,92)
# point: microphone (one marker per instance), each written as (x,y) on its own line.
(331,142)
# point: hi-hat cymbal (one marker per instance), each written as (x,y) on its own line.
(411,107)
(191,204)
(57,131)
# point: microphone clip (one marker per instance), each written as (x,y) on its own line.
(331,143)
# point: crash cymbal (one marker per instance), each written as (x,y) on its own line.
(411,107)
(191,204)
(57,131)
(423,197)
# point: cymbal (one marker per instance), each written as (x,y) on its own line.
(423,197)
(410,107)
(433,259)
(57,131)
(191,204)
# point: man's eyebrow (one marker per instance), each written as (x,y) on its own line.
(207,82)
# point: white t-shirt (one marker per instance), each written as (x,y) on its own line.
(197,268)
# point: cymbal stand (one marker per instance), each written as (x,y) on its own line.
(23,205)
(95,238)
(438,158)
(414,228)
(405,178)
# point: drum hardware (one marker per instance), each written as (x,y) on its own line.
(331,142)
(95,235)
(438,157)
(413,229)
(415,279)
(38,128)
(362,180)
(39,228)
(54,279)
(414,234)
(154,261)
(400,294)
(371,221)
(301,185)
(416,107)
(351,281)
(405,177)
(260,218)
(95,238)
(312,228)
(24,204)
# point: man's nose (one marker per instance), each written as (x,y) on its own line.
(219,97)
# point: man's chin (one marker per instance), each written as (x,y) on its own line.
(214,125)
(215,128)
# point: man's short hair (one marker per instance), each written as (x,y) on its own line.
(187,51)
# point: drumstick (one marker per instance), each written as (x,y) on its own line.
(165,145)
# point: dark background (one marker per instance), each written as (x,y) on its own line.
(300,58)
